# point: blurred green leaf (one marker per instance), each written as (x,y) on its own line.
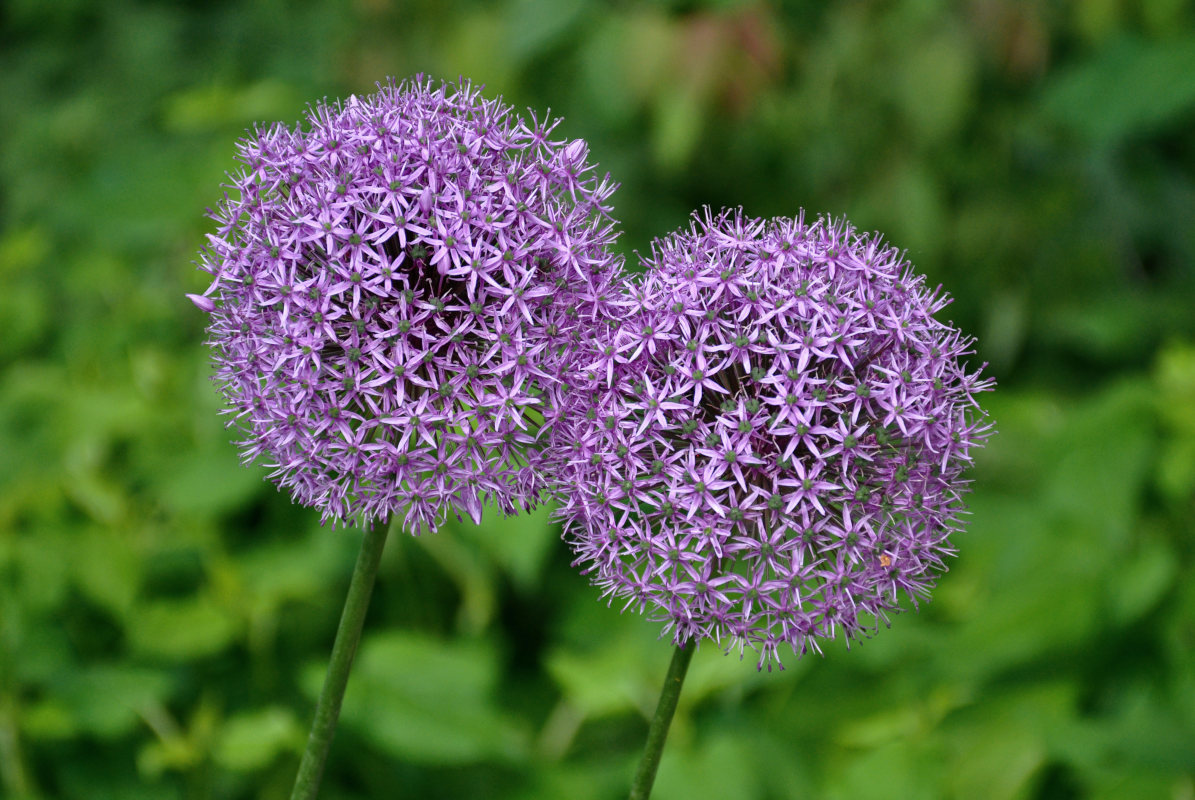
(712,672)
(1130,87)
(22,249)
(908,720)
(43,573)
(473,575)
(181,629)
(427,700)
(86,484)
(175,747)
(1142,579)
(996,748)
(598,684)
(1037,591)
(720,766)
(593,780)
(220,106)
(621,667)
(1037,561)
(936,85)
(295,571)
(26,305)
(208,480)
(95,779)
(895,769)
(253,739)
(1141,730)
(476,49)
(1174,399)
(1174,375)
(108,701)
(1101,462)
(676,128)
(49,719)
(107,568)
(1135,782)
(519,544)
(534,25)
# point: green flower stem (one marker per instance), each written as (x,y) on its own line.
(658,732)
(327,709)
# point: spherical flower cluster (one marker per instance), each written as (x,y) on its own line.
(769,447)
(396,288)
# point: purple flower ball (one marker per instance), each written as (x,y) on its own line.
(769,446)
(396,288)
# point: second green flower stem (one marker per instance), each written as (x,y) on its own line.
(348,634)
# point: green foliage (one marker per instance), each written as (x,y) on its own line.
(428,701)
(1125,90)
(165,615)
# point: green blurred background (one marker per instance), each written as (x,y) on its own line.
(165,614)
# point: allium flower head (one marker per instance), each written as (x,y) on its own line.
(394,289)
(769,448)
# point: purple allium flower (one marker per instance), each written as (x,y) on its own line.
(769,447)
(394,289)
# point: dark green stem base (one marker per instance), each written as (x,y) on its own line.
(327,709)
(658,732)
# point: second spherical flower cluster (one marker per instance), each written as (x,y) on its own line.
(768,448)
